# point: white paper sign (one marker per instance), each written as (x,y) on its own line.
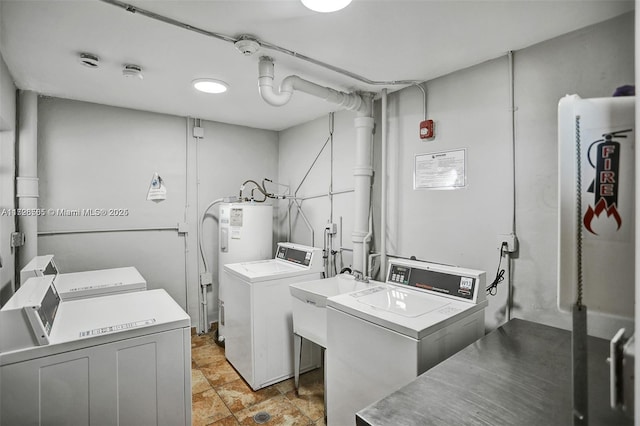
(440,170)
(157,190)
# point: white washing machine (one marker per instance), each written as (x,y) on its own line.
(381,338)
(119,359)
(80,285)
(259,325)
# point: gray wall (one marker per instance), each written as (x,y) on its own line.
(7,178)
(591,63)
(228,155)
(299,147)
(471,111)
(95,156)
(461,226)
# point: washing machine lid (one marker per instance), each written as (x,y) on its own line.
(266,270)
(410,312)
(94,321)
(99,282)
(399,301)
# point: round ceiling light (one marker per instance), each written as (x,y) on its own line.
(326,5)
(209,85)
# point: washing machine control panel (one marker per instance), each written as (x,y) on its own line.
(299,257)
(425,278)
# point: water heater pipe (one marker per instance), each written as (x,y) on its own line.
(364,123)
(27,180)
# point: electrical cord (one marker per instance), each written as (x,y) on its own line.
(492,289)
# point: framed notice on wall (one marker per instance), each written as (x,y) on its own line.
(440,170)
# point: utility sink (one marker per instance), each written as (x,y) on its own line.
(310,304)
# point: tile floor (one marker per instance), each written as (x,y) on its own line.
(221,397)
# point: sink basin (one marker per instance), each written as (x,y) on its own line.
(310,304)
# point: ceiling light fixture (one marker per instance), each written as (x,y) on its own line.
(209,85)
(326,5)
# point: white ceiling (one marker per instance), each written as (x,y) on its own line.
(380,40)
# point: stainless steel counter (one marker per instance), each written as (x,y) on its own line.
(519,374)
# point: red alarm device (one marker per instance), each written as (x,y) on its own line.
(426,129)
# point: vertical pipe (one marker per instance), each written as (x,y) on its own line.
(330,259)
(383,190)
(186,215)
(636,385)
(362,173)
(202,295)
(27,180)
(512,120)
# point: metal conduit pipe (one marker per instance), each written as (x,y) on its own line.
(27,180)
(383,189)
(262,43)
(306,221)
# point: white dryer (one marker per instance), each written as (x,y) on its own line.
(80,285)
(381,338)
(258,312)
(119,359)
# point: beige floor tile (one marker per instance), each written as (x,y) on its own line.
(199,382)
(309,401)
(200,340)
(312,377)
(219,373)
(207,407)
(207,354)
(238,395)
(227,421)
(285,386)
(310,397)
(282,411)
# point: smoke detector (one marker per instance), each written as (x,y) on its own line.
(247,45)
(131,70)
(89,60)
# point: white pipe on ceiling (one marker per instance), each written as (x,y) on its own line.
(364,123)
(351,101)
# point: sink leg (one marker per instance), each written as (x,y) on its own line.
(324,375)
(297,355)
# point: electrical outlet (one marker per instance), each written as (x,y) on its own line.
(510,239)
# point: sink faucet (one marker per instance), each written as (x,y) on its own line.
(360,276)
